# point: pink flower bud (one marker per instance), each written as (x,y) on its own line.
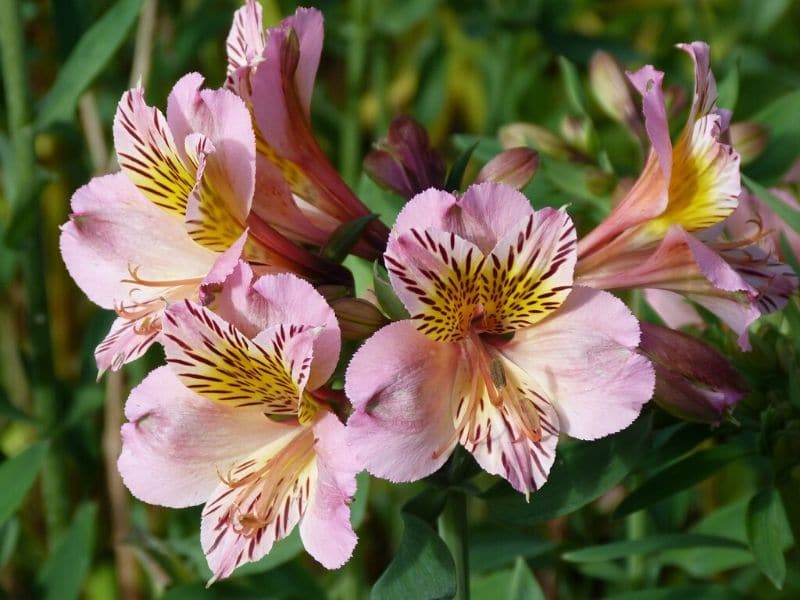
(358,319)
(693,381)
(515,167)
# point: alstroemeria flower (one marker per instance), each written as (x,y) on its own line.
(201,428)
(175,218)
(501,353)
(273,71)
(659,235)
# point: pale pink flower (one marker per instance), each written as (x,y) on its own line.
(175,219)
(500,354)
(202,429)
(661,236)
(297,188)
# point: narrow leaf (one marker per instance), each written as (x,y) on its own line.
(345,237)
(65,570)
(523,584)
(87,59)
(679,476)
(456,175)
(390,303)
(572,86)
(422,567)
(17,476)
(648,545)
(789,215)
(765,520)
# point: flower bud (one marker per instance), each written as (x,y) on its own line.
(578,133)
(358,319)
(404,160)
(612,91)
(693,381)
(515,167)
(749,139)
(533,136)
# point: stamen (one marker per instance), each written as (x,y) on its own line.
(135,278)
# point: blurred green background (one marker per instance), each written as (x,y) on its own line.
(68,528)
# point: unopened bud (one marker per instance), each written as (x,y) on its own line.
(533,136)
(693,381)
(749,139)
(358,319)
(612,91)
(578,133)
(404,160)
(515,167)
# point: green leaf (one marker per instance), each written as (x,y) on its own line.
(358,509)
(456,174)
(582,472)
(789,215)
(523,584)
(765,521)
(17,476)
(780,119)
(679,476)
(422,567)
(9,536)
(345,237)
(572,86)
(648,545)
(384,292)
(492,547)
(706,592)
(87,59)
(728,91)
(65,570)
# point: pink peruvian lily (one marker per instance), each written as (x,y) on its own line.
(659,237)
(236,420)
(297,188)
(176,219)
(501,353)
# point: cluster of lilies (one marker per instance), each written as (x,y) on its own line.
(207,242)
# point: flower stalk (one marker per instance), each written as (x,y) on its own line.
(454,531)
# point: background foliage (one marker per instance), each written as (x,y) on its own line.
(662,510)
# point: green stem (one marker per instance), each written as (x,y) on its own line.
(356,60)
(24,197)
(453,530)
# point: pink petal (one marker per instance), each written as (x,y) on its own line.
(222,269)
(307,23)
(485,214)
(294,301)
(705,87)
(529,272)
(436,276)
(149,155)
(402,388)
(176,444)
(214,359)
(244,46)
(584,358)
(113,229)
(498,440)
(673,309)
(648,82)
(241,523)
(224,119)
(325,528)
(124,343)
